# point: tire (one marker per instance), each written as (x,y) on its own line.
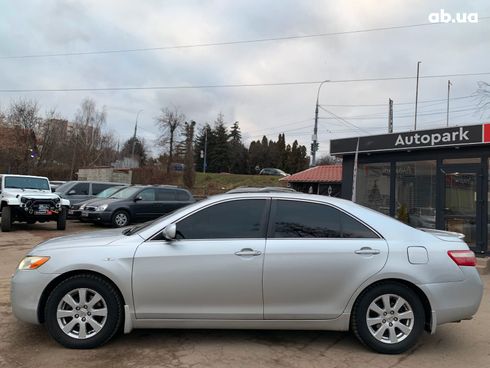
(6,219)
(120,218)
(395,334)
(99,328)
(61,220)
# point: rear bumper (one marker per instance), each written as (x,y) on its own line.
(455,301)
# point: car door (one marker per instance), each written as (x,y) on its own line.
(144,206)
(316,258)
(212,270)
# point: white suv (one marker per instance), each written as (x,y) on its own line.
(29,199)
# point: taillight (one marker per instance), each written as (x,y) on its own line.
(462,257)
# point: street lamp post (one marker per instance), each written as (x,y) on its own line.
(314,138)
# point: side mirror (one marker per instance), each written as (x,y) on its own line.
(71,192)
(138,198)
(170,232)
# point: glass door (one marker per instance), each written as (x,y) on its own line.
(462,199)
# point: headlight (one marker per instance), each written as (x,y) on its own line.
(82,207)
(32,262)
(101,208)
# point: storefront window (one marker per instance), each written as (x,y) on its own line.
(373,186)
(415,199)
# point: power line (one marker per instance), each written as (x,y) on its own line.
(224,43)
(399,103)
(345,121)
(209,86)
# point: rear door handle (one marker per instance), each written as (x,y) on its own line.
(367,251)
(248,252)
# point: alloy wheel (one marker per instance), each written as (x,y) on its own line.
(82,313)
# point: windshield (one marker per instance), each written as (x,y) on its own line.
(125,193)
(106,193)
(140,227)
(23,182)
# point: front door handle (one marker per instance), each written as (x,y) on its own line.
(248,252)
(367,251)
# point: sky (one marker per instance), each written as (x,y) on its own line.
(68,26)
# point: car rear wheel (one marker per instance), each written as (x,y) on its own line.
(6,218)
(120,219)
(389,318)
(83,312)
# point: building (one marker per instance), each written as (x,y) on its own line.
(323,179)
(110,174)
(434,178)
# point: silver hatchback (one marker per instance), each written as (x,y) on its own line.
(256,260)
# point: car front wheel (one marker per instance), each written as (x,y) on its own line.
(83,312)
(389,318)
(120,219)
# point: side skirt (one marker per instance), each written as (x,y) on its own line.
(339,324)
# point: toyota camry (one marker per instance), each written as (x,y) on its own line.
(252,261)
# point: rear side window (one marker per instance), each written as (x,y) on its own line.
(296,219)
(97,187)
(79,189)
(165,195)
(232,219)
(182,196)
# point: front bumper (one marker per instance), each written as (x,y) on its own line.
(455,301)
(93,216)
(26,290)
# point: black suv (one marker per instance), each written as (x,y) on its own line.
(137,204)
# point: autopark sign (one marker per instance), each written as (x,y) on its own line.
(454,136)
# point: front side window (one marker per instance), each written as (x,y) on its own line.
(295,219)
(233,219)
(79,189)
(147,195)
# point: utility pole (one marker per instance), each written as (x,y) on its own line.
(314,137)
(134,136)
(448,90)
(416,95)
(390,115)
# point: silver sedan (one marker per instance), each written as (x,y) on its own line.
(257,260)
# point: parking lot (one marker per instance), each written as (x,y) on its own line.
(23,345)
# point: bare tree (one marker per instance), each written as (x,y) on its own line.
(170,123)
(23,119)
(483,94)
(90,145)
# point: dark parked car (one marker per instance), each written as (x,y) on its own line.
(273,172)
(79,191)
(137,204)
(75,210)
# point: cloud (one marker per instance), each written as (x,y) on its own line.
(57,26)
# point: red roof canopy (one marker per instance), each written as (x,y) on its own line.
(317,174)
